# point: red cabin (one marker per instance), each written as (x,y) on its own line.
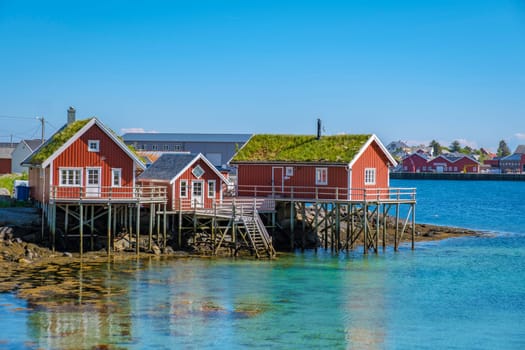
(191,180)
(454,163)
(338,167)
(415,163)
(83,160)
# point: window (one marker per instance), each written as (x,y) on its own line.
(71,177)
(198,171)
(370,176)
(289,171)
(154,147)
(321,176)
(177,147)
(93,145)
(116,177)
(166,147)
(183,188)
(211,188)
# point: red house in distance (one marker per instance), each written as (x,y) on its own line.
(338,167)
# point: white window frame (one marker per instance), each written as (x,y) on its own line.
(154,147)
(321,173)
(212,190)
(370,176)
(185,182)
(77,177)
(177,147)
(166,147)
(115,171)
(289,171)
(93,145)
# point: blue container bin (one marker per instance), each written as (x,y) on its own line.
(22,193)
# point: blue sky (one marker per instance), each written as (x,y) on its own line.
(404,70)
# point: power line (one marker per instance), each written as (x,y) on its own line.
(16,117)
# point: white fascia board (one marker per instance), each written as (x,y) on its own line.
(366,145)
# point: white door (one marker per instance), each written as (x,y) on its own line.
(197,194)
(277,180)
(92,182)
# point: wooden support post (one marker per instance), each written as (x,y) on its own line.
(396,231)
(115,217)
(81,216)
(130,227)
(157,216)
(376,248)
(109,230)
(150,228)
(66,220)
(365,228)
(316,223)
(180,229)
(352,227)
(213,223)
(325,210)
(292,226)
(164,225)
(92,227)
(53,225)
(137,242)
(348,213)
(413,225)
(338,227)
(385,211)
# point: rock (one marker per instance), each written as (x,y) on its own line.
(23,261)
(168,250)
(155,249)
(67,255)
(18,240)
(122,243)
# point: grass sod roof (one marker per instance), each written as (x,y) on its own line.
(56,141)
(301,148)
(61,137)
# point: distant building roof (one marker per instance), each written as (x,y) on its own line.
(33,144)
(514,156)
(179,137)
(167,166)
(520,149)
(5,152)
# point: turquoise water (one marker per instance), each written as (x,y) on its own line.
(463,293)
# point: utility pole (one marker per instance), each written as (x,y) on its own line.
(43,127)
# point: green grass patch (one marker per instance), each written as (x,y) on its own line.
(301,148)
(8,181)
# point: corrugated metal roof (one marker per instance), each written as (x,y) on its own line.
(167,166)
(514,156)
(178,137)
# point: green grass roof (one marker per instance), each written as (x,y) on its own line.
(301,148)
(56,141)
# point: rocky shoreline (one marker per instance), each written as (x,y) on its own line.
(40,275)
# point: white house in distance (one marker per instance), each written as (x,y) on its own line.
(22,150)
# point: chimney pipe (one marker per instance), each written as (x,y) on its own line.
(71,115)
(318,128)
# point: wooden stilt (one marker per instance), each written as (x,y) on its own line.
(316,222)
(109,230)
(150,228)
(92,227)
(137,242)
(396,231)
(365,228)
(413,226)
(164,224)
(376,248)
(81,216)
(292,226)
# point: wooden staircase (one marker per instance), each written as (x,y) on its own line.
(245,216)
(258,236)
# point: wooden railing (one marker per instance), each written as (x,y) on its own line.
(327,193)
(155,194)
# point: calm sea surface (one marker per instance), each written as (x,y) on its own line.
(462,293)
